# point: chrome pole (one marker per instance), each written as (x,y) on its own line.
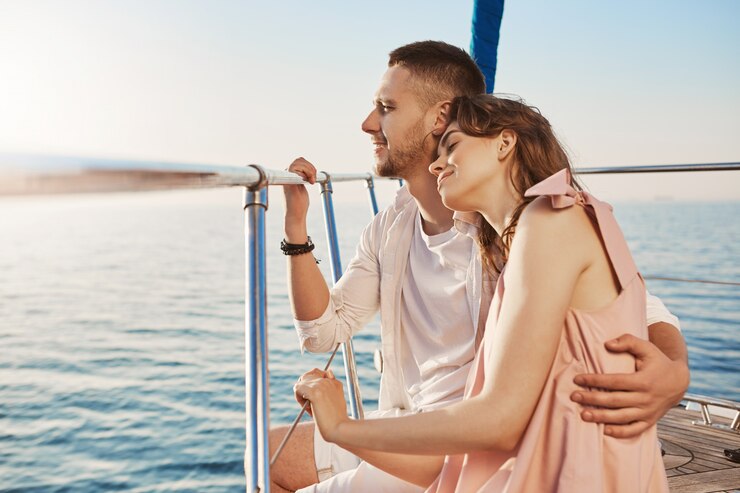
(256,457)
(350,369)
(370,185)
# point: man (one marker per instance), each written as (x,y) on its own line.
(421,269)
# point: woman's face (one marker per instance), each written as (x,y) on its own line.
(465,168)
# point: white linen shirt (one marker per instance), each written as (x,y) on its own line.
(373,281)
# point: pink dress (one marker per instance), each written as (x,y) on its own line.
(559,452)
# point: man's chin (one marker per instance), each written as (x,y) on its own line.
(384,168)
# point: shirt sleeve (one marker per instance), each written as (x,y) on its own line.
(353,300)
(657,312)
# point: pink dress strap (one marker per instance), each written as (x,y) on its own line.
(562,194)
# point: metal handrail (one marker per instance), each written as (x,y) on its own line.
(257,460)
(658,168)
(29,174)
(705,403)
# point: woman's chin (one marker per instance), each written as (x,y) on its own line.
(455,203)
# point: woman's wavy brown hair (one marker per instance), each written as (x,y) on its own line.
(537,155)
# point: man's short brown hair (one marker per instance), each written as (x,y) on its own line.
(439,71)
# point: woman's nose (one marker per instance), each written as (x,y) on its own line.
(437,166)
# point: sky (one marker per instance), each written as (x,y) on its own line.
(239,82)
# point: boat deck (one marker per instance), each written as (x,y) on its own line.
(694,455)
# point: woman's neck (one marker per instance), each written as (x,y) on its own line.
(498,212)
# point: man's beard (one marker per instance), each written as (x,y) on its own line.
(400,162)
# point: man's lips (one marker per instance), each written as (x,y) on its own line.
(380,146)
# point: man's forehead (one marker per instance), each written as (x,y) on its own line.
(395,83)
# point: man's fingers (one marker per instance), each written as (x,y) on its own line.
(627,343)
(312,375)
(612,416)
(626,431)
(611,400)
(304,168)
(298,394)
(612,381)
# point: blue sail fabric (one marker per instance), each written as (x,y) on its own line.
(487,16)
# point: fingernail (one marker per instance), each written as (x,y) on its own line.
(578,380)
(577,397)
(607,430)
(587,416)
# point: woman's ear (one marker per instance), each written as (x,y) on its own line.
(441,118)
(507,143)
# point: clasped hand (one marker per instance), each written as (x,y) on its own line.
(325,393)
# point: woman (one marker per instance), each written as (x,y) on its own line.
(566,281)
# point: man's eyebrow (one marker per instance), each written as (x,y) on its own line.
(445,137)
(384,101)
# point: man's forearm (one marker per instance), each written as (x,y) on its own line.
(669,340)
(309,294)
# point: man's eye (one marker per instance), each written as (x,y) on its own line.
(385,108)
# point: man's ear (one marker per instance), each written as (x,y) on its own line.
(441,118)
(507,143)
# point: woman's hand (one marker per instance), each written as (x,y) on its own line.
(328,407)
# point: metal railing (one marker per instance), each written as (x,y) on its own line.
(705,405)
(23,175)
(257,458)
(658,168)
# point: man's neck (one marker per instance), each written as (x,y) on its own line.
(435,217)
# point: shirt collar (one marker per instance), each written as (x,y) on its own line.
(468,223)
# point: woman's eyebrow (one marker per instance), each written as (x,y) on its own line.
(445,137)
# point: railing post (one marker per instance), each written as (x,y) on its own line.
(256,456)
(350,370)
(370,185)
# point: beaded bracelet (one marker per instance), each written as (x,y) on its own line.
(297,249)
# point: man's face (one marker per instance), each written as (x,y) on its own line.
(396,126)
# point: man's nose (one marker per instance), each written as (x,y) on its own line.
(370,125)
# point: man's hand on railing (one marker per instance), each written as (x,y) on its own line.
(296,201)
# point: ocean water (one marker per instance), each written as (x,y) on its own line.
(121,330)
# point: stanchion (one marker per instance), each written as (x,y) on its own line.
(350,370)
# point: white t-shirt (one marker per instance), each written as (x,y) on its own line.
(435,318)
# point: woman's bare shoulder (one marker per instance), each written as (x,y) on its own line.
(565,228)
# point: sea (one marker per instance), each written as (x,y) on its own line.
(122,329)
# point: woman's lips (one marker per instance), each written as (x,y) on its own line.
(442,177)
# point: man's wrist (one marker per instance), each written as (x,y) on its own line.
(681,374)
(296,235)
